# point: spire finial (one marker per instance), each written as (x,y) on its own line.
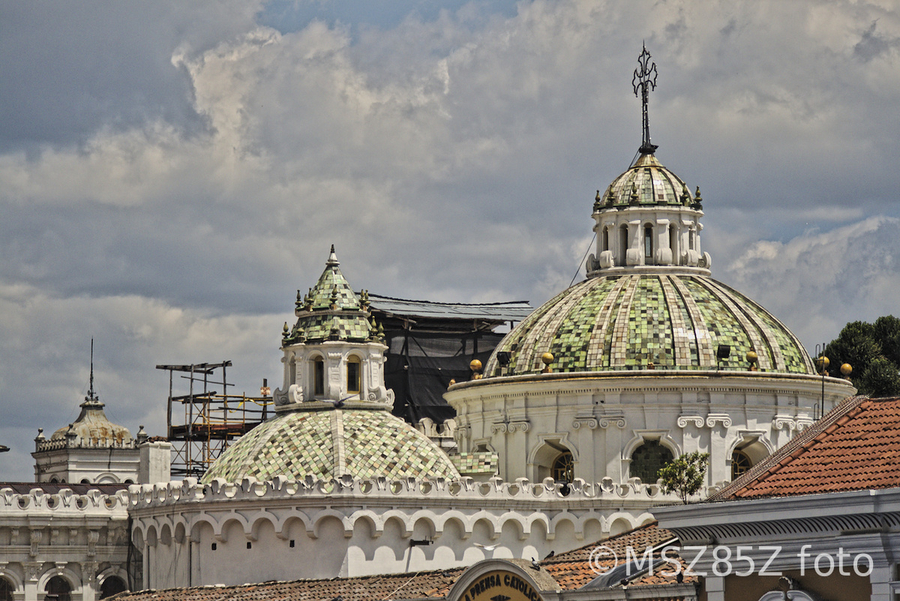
(332,258)
(644,81)
(91,387)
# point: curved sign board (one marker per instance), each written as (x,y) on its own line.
(499,585)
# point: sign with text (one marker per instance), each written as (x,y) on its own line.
(500,585)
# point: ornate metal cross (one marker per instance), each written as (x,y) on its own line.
(645,80)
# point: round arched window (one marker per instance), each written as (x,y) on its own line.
(563,468)
(647,460)
(59,589)
(740,463)
(113,585)
(318,376)
(353,374)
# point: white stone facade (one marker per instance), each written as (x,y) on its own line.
(602,418)
(81,538)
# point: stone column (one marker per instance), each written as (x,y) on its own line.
(32,574)
(882,589)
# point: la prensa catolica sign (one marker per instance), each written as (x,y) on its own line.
(500,585)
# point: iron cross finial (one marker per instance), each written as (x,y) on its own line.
(643,81)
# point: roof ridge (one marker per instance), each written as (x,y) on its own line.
(427,302)
(562,557)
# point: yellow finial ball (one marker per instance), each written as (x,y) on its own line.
(752,357)
(823,362)
(846,369)
(547,358)
(475,365)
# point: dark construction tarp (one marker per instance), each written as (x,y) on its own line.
(419,369)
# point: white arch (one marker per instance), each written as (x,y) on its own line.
(331,513)
(642,436)
(282,526)
(14,578)
(198,521)
(231,517)
(70,576)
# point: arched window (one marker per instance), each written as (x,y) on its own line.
(6,589)
(740,463)
(623,244)
(353,374)
(319,376)
(606,238)
(563,468)
(673,240)
(58,589)
(113,585)
(647,460)
(648,242)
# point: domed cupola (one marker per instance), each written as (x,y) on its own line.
(647,218)
(648,302)
(333,413)
(334,352)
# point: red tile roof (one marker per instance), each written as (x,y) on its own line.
(365,588)
(574,569)
(855,447)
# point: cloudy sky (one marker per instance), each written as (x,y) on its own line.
(171,173)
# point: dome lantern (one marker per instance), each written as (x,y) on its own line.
(647,220)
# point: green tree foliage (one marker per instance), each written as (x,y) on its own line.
(873,351)
(684,474)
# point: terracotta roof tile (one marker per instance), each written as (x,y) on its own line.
(365,588)
(855,447)
(573,570)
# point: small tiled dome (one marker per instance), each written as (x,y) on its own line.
(647,182)
(627,322)
(330,310)
(332,443)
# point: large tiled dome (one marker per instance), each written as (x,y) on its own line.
(674,321)
(332,443)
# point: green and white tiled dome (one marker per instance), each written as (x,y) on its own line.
(332,443)
(647,182)
(625,322)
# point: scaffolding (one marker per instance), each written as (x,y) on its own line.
(211,419)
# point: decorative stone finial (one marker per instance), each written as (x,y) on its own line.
(334,298)
(752,359)
(547,359)
(332,258)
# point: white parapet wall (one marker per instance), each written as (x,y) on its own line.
(192,534)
